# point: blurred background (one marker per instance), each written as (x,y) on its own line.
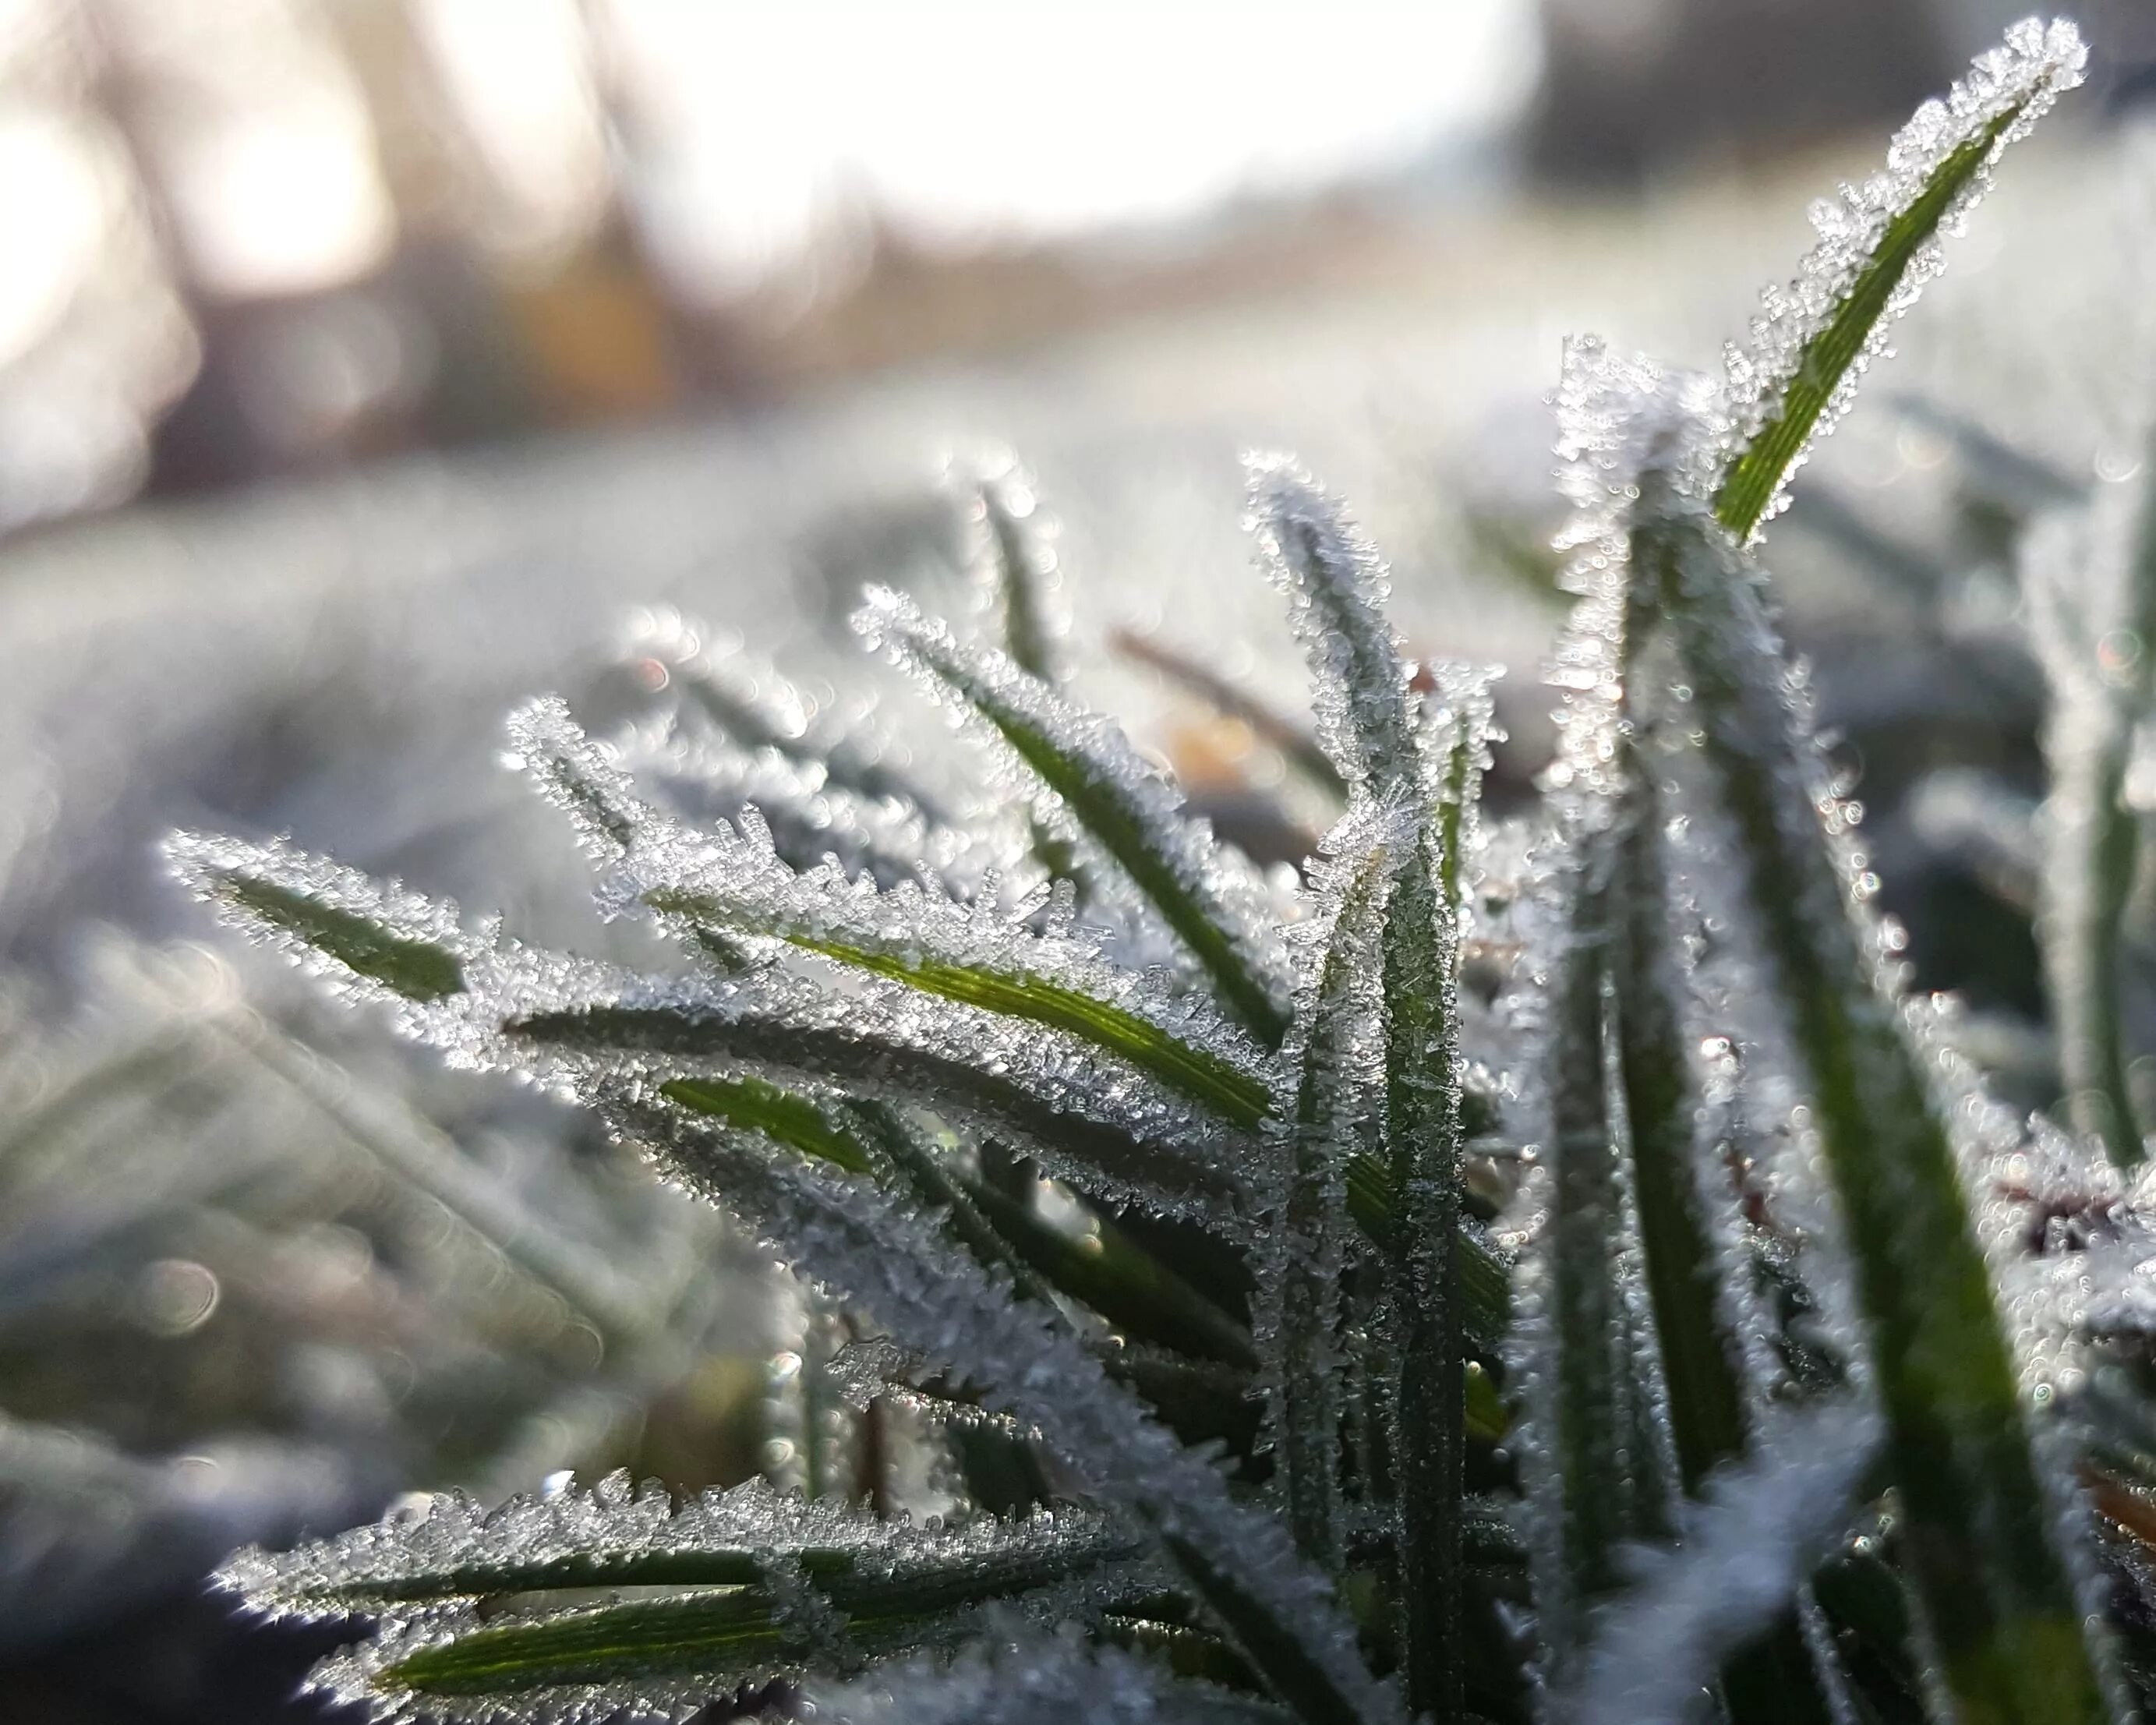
(367,365)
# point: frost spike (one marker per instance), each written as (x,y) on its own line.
(1331,1064)
(1878,246)
(1113,796)
(2001,1604)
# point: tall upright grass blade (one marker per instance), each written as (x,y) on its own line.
(1333,1066)
(1368,724)
(1599,1464)
(2002,1604)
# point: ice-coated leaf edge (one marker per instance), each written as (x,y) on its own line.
(1878,247)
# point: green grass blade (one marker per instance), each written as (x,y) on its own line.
(781,1115)
(373,933)
(1702,1362)
(1237,1096)
(1108,791)
(821,1052)
(1108,1273)
(1425,1142)
(1878,246)
(2000,1599)
(1271,1647)
(2089,578)
(1332,1063)
(1485,1279)
(612,1536)
(1601,1484)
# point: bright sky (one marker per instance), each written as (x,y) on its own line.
(965,117)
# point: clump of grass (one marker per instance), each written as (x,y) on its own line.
(1168,1187)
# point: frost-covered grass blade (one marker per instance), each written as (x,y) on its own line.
(1878,247)
(1116,800)
(375,934)
(2002,1604)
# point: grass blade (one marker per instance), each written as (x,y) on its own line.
(1100,784)
(1333,1068)
(1878,247)
(1598,1472)
(1016,570)
(610,1535)
(2001,1601)
(1425,1140)
(2090,580)
(824,1048)
(376,935)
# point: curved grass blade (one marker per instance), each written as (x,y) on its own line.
(781,1115)
(1337,588)
(735,884)
(1100,784)
(1878,247)
(2000,1597)
(837,1046)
